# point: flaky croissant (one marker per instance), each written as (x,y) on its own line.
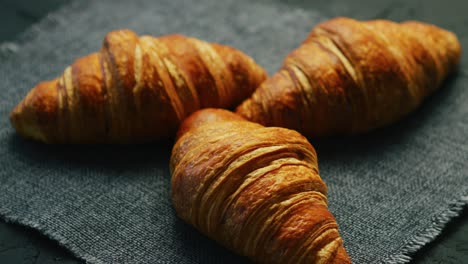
(135,89)
(254,189)
(350,77)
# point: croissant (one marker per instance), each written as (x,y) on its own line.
(350,77)
(254,189)
(135,89)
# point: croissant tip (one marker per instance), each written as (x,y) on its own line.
(205,116)
(341,256)
(15,115)
(23,120)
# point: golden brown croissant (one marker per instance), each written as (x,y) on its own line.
(350,77)
(135,89)
(254,189)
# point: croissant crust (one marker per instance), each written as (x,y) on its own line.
(254,189)
(351,76)
(135,89)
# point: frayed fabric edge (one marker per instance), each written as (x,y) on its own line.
(60,240)
(51,20)
(438,224)
(405,255)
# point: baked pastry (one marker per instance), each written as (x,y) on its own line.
(352,76)
(254,189)
(135,89)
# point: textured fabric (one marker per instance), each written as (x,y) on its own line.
(391,190)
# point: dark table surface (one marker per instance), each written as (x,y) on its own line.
(22,245)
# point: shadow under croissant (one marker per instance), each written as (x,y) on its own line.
(200,249)
(100,157)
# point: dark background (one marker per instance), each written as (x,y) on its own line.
(21,245)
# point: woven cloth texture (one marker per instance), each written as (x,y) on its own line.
(392,190)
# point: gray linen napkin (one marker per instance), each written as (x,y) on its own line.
(392,190)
